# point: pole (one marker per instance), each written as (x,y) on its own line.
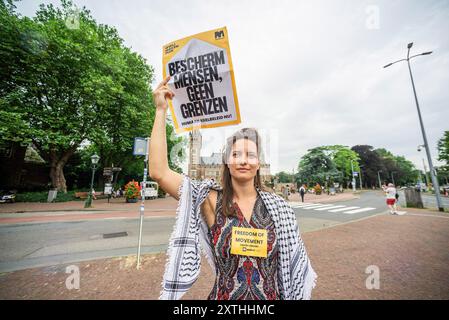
(353,178)
(392,178)
(426,144)
(142,205)
(89,197)
(378,176)
(360,178)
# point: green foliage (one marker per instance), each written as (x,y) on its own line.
(43,195)
(371,162)
(443,156)
(284,177)
(329,164)
(161,193)
(397,168)
(317,167)
(63,86)
(342,157)
(443,149)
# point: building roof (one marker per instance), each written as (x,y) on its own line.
(214,159)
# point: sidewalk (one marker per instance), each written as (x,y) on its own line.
(411,252)
(75,211)
(117,204)
(25,212)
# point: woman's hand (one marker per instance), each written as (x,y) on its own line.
(161,94)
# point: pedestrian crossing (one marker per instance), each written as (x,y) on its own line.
(329,207)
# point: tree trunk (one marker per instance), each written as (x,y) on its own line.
(57,168)
(57,176)
(100,181)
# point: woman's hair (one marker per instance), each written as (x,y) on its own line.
(228,193)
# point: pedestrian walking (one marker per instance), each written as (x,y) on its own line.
(302,192)
(286,192)
(216,218)
(390,192)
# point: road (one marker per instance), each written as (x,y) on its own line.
(316,216)
(26,245)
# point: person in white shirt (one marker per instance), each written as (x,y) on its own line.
(390,192)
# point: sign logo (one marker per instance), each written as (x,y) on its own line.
(219,35)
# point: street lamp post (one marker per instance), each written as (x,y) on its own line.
(378,176)
(94,159)
(426,145)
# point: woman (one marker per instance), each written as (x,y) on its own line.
(211,215)
(390,193)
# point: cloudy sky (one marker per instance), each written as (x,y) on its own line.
(309,73)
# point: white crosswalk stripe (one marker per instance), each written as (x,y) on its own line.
(330,207)
(301,205)
(312,205)
(319,206)
(309,205)
(296,206)
(358,210)
(343,209)
(333,207)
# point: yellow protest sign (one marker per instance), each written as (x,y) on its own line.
(249,242)
(202,78)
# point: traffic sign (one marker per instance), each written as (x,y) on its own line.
(140,146)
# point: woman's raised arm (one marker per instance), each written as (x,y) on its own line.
(167,179)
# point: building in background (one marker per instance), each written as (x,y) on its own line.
(210,167)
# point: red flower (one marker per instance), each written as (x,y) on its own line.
(132,190)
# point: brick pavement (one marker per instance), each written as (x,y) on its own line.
(410,252)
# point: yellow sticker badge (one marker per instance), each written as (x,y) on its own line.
(202,78)
(249,242)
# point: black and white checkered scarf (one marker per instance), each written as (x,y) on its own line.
(296,277)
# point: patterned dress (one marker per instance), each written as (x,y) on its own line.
(243,277)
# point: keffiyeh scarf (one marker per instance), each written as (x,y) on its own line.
(296,277)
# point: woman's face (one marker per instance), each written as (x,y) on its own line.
(243,161)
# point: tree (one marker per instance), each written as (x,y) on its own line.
(371,162)
(443,149)
(317,167)
(67,86)
(284,177)
(397,168)
(406,171)
(443,156)
(342,157)
(388,164)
